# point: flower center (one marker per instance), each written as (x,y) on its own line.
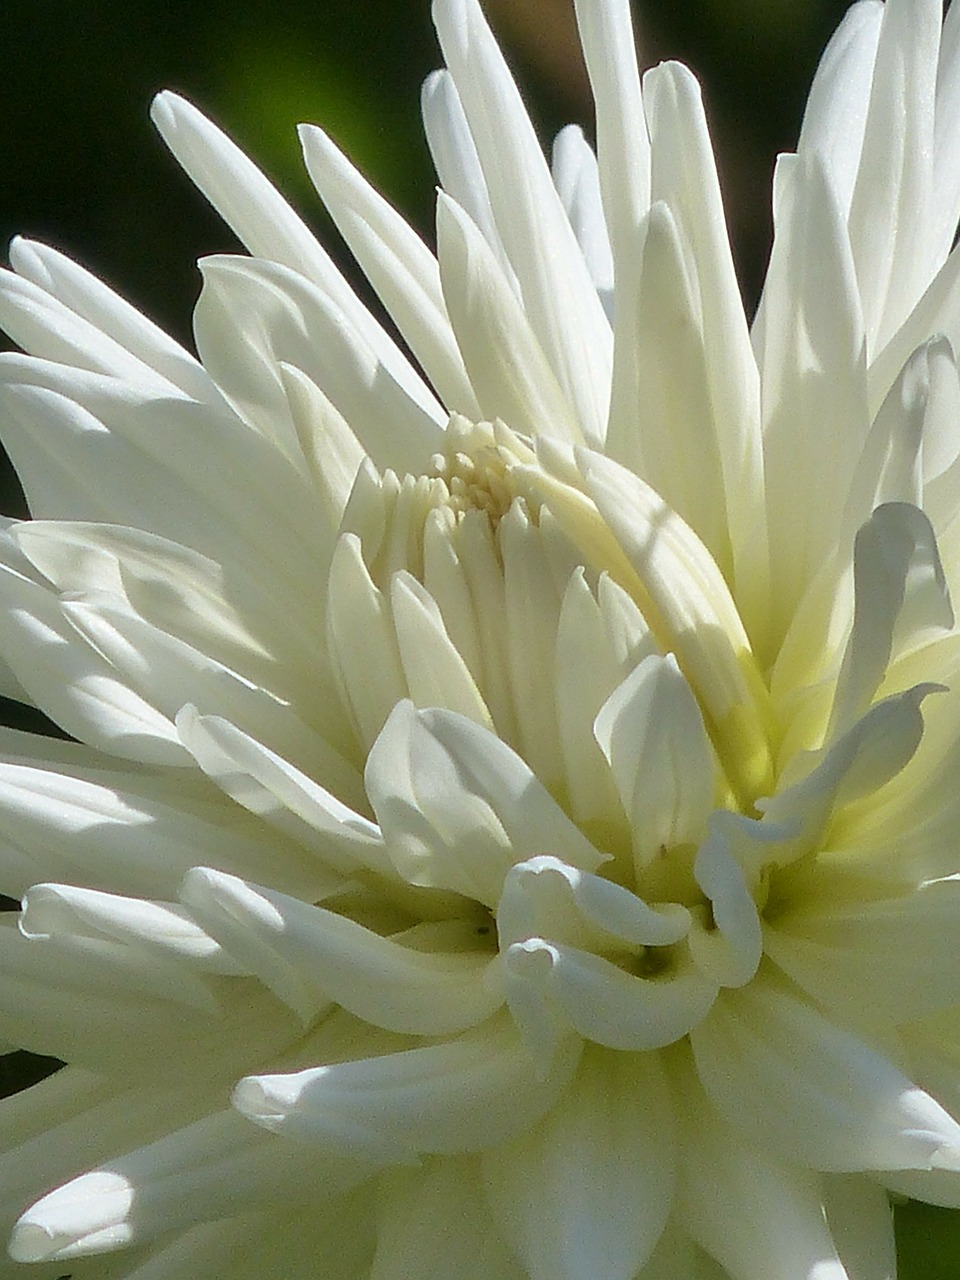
(477,482)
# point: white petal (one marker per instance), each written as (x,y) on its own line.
(836,111)
(266,224)
(456,161)
(74,1119)
(85,819)
(214,1168)
(587,1191)
(868,755)
(74,684)
(945,203)
(892,960)
(651,731)
(666,414)
(61,909)
(230,616)
(397,263)
(461,1095)
(900,598)
(575,175)
(310,956)
(684,175)
(532,600)
(558,294)
(506,364)
(254,315)
(891,198)
(274,789)
(458,808)
(860,1218)
(552,988)
(728,948)
(330,447)
(47,328)
(690,610)
(936,312)
(435,673)
(810,344)
(609,46)
(101,1004)
(167,672)
(759,1216)
(362,641)
(587,673)
(897,452)
(331,1236)
(433,1221)
(941,435)
(94,302)
(76,440)
(544,896)
(782,1073)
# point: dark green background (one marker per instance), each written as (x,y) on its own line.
(81,167)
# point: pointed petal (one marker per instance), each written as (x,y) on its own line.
(106,311)
(457,163)
(891,198)
(810,345)
(666,414)
(506,363)
(575,175)
(254,315)
(780,1072)
(433,1221)
(587,1191)
(690,610)
(558,294)
(458,808)
(651,732)
(310,956)
(435,673)
(74,684)
(461,1095)
(836,111)
(266,224)
(216,1167)
(684,176)
(397,263)
(280,793)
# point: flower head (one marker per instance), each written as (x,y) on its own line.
(511,827)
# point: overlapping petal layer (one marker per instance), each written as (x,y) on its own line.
(510,830)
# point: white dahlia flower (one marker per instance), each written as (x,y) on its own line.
(512,827)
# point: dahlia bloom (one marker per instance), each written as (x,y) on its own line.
(511,824)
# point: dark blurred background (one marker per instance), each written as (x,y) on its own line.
(82,168)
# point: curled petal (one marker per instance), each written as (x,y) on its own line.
(309,955)
(551,988)
(460,1095)
(545,896)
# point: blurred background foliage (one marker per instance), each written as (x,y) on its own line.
(82,169)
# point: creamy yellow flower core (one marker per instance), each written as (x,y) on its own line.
(593,666)
(555,601)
